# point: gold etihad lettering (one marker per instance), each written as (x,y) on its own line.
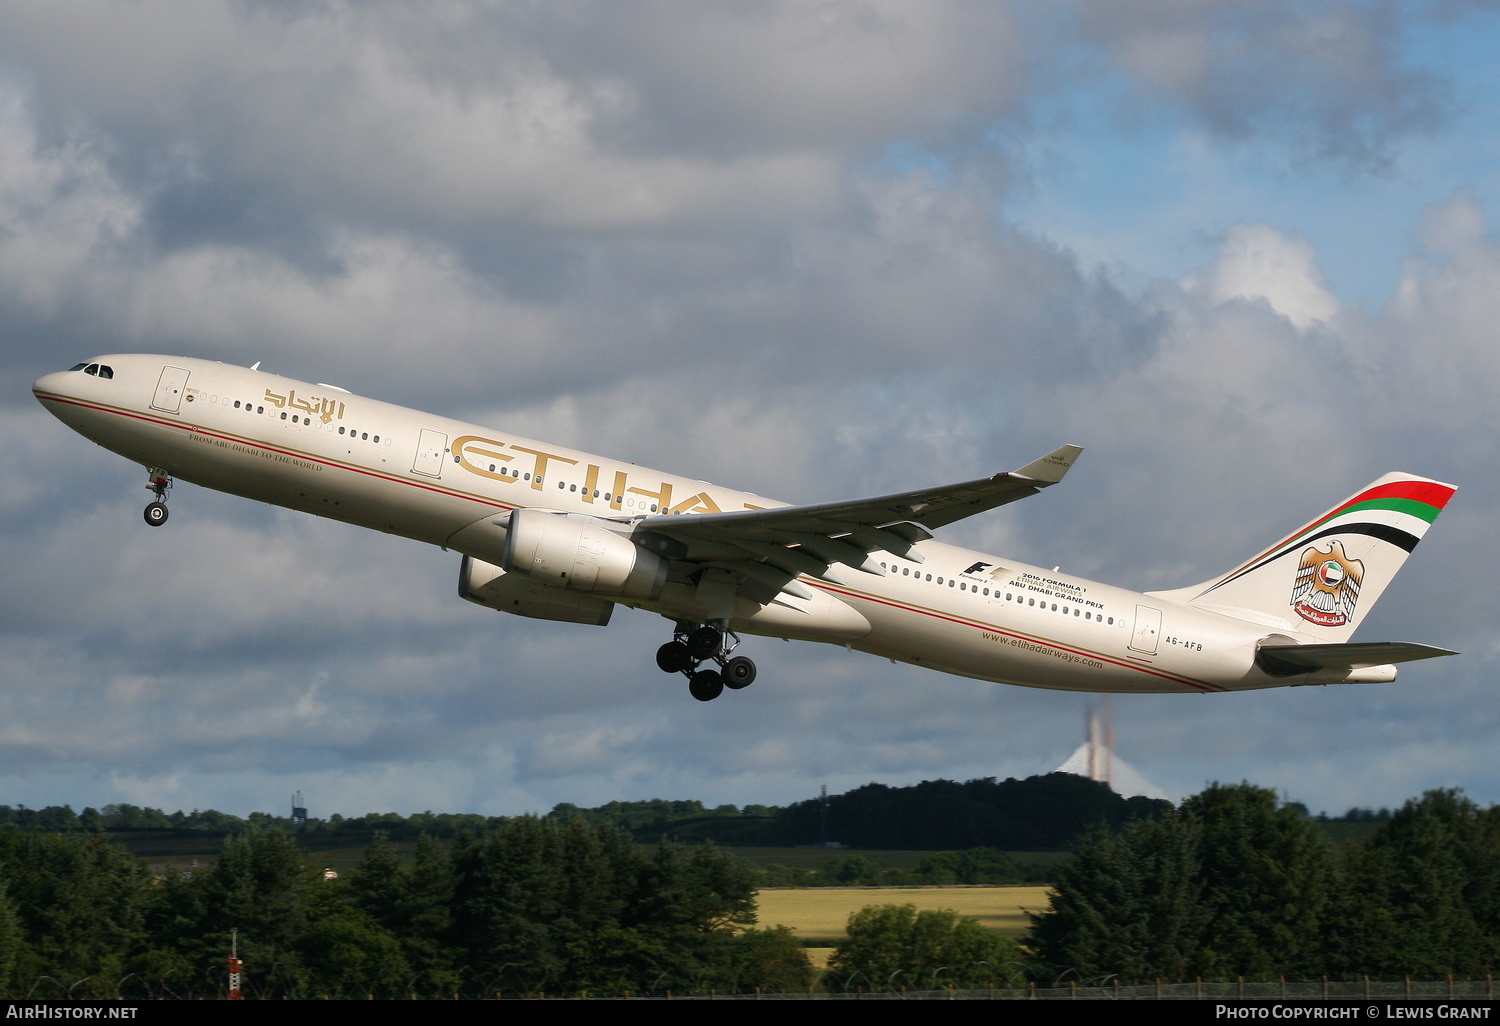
(325,410)
(700,503)
(466,448)
(462,447)
(542,459)
(663,498)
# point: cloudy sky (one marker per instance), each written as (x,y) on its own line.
(1240,252)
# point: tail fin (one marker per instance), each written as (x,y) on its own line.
(1325,576)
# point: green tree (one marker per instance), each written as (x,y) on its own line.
(376,882)
(688,904)
(771,960)
(898,946)
(506,896)
(260,885)
(77,903)
(1422,898)
(12,943)
(848,870)
(559,905)
(970,866)
(1129,903)
(1234,884)
(1267,876)
(344,953)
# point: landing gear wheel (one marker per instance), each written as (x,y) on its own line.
(158,483)
(706,685)
(705,642)
(673,657)
(739,672)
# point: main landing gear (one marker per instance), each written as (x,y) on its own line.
(159,483)
(693,644)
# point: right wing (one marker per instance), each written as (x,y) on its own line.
(764,550)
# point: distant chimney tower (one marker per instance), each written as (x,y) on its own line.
(1100,744)
(1095,758)
(299,812)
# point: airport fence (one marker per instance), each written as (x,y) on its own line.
(1326,989)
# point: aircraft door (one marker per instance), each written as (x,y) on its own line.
(169,388)
(431,447)
(1147,630)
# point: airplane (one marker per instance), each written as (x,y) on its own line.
(552,533)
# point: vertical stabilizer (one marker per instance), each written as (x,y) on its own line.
(1324,577)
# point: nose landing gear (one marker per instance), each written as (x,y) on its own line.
(159,483)
(693,644)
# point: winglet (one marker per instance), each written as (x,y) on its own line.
(1050,468)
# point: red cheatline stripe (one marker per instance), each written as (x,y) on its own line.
(995,629)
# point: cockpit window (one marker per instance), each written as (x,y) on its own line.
(92,368)
(106,371)
(100,370)
(77,366)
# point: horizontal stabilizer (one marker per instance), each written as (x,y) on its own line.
(1290,660)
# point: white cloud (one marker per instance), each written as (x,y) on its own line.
(1258,262)
(1439,326)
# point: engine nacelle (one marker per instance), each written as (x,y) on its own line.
(568,552)
(487,585)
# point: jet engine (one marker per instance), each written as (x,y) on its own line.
(575,554)
(487,585)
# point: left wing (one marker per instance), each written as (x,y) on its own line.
(764,550)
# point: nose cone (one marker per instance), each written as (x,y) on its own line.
(59,393)
(54,384)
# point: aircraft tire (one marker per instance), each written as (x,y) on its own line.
(739,672)
(706,685)
(156,514)
(705,642)
(673,657)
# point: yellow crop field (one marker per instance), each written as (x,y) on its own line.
(818,914)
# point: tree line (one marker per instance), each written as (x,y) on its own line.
(1038,813)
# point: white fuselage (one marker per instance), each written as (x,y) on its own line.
(322,450)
